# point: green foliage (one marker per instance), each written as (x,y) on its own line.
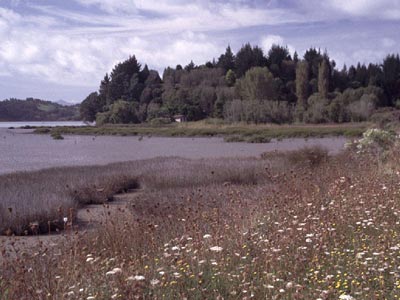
(227,61)
(257,111)
(91,106)
(317,111)
(257,84)
(123,112)
(302,89)
(391,77)
(56,135)
(230,78)
(247,58)
(160,121)
(209,90)
(375,141)
(324,78)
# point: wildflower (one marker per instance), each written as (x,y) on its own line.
(346,297)
(289,285)
(154,282)
(65,219)
(89,259)
(216,249)
(206,236)
(136,278)
(114,271)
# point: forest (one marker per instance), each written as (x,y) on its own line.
(36,110)
(250,86)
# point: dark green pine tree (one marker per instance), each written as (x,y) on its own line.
(247,58)
(227,61)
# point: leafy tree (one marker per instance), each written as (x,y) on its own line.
(257,84)
(90,107)
(230,78)
(123,76)
(123,112)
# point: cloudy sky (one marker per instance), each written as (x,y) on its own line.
(60,49)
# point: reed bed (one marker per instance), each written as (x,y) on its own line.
(44,196)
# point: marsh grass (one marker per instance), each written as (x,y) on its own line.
(48,195)
(237,132)
(319,230)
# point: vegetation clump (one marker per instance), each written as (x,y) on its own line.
(56,135)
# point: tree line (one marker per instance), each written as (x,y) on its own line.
(248,86)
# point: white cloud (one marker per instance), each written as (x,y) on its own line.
(111,6)
(388,42)
(74,48)
(386,9)
(268,41)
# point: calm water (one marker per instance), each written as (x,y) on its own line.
(20,150)
(48,124)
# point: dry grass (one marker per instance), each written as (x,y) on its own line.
(50,195)
(309,231)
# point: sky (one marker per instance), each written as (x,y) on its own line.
(61,49)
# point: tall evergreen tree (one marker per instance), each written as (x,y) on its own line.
(247,58)
(227,61)
(324,75)
(391,77)
(302,87)
(104,90)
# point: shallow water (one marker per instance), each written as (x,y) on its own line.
(20,150)
(47,124)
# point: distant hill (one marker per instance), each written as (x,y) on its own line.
(37,110)
(65,103)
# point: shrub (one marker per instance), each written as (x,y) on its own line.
(375,140)
(56,135)
(312,156)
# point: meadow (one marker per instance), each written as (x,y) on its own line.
(297,225)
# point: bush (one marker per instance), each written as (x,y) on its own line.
(375,140)
(312,156)
(56,135)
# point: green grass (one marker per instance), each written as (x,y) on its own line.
(233,132)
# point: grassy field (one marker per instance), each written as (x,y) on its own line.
(298,225)
(233,132)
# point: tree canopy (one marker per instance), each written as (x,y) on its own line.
(283,87)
